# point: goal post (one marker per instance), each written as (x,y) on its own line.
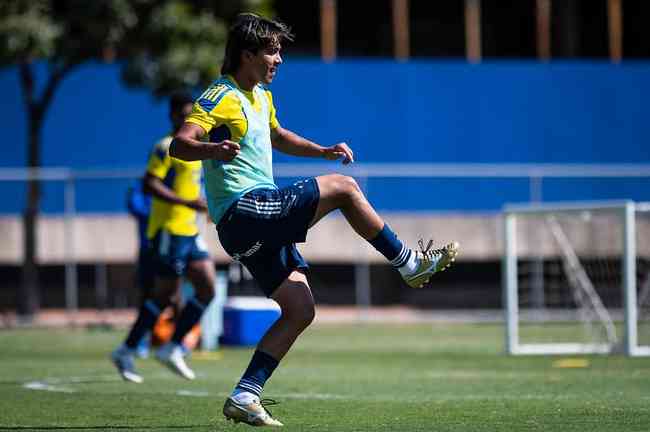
(570,278)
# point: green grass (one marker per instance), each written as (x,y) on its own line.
(337,378)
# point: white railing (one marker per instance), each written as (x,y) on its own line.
(534,173)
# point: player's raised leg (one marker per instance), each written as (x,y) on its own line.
(297,305)
(416,267)
(202,276)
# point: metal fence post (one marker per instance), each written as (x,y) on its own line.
(537,294)
(629,278)
(71,282)
(509,275)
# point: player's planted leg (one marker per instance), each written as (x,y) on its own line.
(416,267)
(297,305)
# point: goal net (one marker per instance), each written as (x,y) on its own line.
(577,278)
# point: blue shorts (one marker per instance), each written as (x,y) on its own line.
(261,229)
(171,253)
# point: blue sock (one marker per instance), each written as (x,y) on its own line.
(391,247)
(147,317)
(189,317)
(259,370)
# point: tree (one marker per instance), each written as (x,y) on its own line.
(161,45)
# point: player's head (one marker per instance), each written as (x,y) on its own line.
(254,45)
(180,106)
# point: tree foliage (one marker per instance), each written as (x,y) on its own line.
(162,45)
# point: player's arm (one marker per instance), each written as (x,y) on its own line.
(158,168)
(187,145)
(155,186)
(291,143)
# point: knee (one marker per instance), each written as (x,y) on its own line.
(203,280)
(306,316)
(346,187)
(301,317)
(204,289)
(163,294)
(205,294)
(162,298)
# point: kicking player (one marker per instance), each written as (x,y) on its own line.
(176,250)
(259,224)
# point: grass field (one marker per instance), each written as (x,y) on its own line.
(338,378)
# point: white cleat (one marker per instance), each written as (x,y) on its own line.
(171,355)
(252,412)
(122,358)
(430,262)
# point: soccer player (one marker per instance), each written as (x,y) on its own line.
(259,224)
(176,249)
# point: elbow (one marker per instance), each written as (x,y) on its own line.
(178,149)
(181,149)
(146,185)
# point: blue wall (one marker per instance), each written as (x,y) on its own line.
(388,112)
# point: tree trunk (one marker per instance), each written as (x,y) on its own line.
(569,28)
(29,297)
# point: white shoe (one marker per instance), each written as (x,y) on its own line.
(171,355)
(122,358)
(251,411)
(431,261)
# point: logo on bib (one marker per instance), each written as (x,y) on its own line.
(257,246)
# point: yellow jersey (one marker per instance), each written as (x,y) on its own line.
(226,111)
(219,111)
(184,178)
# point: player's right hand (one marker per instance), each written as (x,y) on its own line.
(225,151)
(199,205)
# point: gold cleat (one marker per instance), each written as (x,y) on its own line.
(254,413)
(430,262)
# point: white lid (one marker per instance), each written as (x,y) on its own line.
(251,303)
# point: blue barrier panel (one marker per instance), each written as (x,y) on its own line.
(417,111)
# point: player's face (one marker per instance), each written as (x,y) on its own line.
(267,62)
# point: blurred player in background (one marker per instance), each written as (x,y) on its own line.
(259,224)
(139,205)
(176,250)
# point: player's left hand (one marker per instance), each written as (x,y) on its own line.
(338,151)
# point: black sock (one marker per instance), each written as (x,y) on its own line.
(387,243)
(147,317)
(259,370)
(190,315)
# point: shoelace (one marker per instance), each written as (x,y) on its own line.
(266,403)
(427,253)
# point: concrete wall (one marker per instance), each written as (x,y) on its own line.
(112,239)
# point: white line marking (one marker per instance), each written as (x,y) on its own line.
(54,385)
(192,393)
(318,396)
(40,385)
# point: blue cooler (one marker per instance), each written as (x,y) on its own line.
(246,319)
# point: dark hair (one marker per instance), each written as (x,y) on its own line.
(178,100)
(252,33)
